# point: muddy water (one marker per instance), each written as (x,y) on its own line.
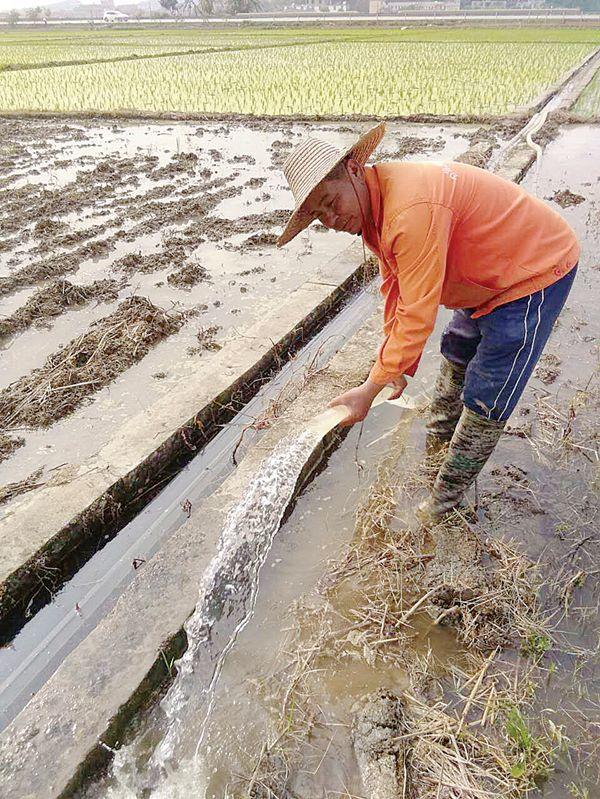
(319,526)
(243,282)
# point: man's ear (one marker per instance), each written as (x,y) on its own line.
(354,167)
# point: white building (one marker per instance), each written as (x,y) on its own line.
(402,6)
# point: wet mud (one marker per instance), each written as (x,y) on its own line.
(54,300)
(53,266)
(86,364)
(411,145)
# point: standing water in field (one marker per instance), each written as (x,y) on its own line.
(226,601)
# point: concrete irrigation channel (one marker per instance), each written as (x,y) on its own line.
(126,646)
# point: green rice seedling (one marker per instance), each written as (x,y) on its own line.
(377,79)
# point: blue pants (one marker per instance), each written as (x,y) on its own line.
(501,349)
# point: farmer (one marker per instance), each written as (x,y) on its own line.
(445,234)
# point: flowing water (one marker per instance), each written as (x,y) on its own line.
(226,601)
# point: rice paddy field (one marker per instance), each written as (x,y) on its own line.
(264,72)
(588,104)
(141,199)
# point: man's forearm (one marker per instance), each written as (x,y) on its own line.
(372,388)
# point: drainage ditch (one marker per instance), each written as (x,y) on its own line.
(54,630)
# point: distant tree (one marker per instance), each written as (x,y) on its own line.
(197,8)
(243,6)
(34,13)
(170,5)
(13,17)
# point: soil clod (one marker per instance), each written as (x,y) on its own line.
(381,746)
(188,275)
(567,198)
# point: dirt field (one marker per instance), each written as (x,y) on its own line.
(182,215)
(130,254)
(505,654)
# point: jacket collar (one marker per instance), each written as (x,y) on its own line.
(372,235)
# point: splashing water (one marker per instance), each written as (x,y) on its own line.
(227,597)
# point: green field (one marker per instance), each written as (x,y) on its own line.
(308,71)
(89,46)
(588,103)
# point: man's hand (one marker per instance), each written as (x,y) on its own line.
(358,400)
(399,385)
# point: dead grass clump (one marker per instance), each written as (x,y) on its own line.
(136,262)
(86,364)
(448,761)
(452,756)
(188,275)
(49,227)
(206,341)
(12,490)
(566,431)
(217,228)
(55,299)
(8,444)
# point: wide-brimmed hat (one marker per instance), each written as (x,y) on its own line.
(309,163)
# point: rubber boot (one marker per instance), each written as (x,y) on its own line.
(443,415)
(446,406)
(472,444)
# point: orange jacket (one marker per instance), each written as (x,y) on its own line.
(455,235)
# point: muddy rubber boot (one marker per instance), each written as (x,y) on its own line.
(443,415)
(472,444)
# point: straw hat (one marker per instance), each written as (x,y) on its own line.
(309,163)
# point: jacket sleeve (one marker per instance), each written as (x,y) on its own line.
(419,242)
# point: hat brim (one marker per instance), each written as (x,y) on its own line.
(361,150)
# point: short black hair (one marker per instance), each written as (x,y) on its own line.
(339,170)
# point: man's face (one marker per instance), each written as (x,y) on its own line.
(335,204)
